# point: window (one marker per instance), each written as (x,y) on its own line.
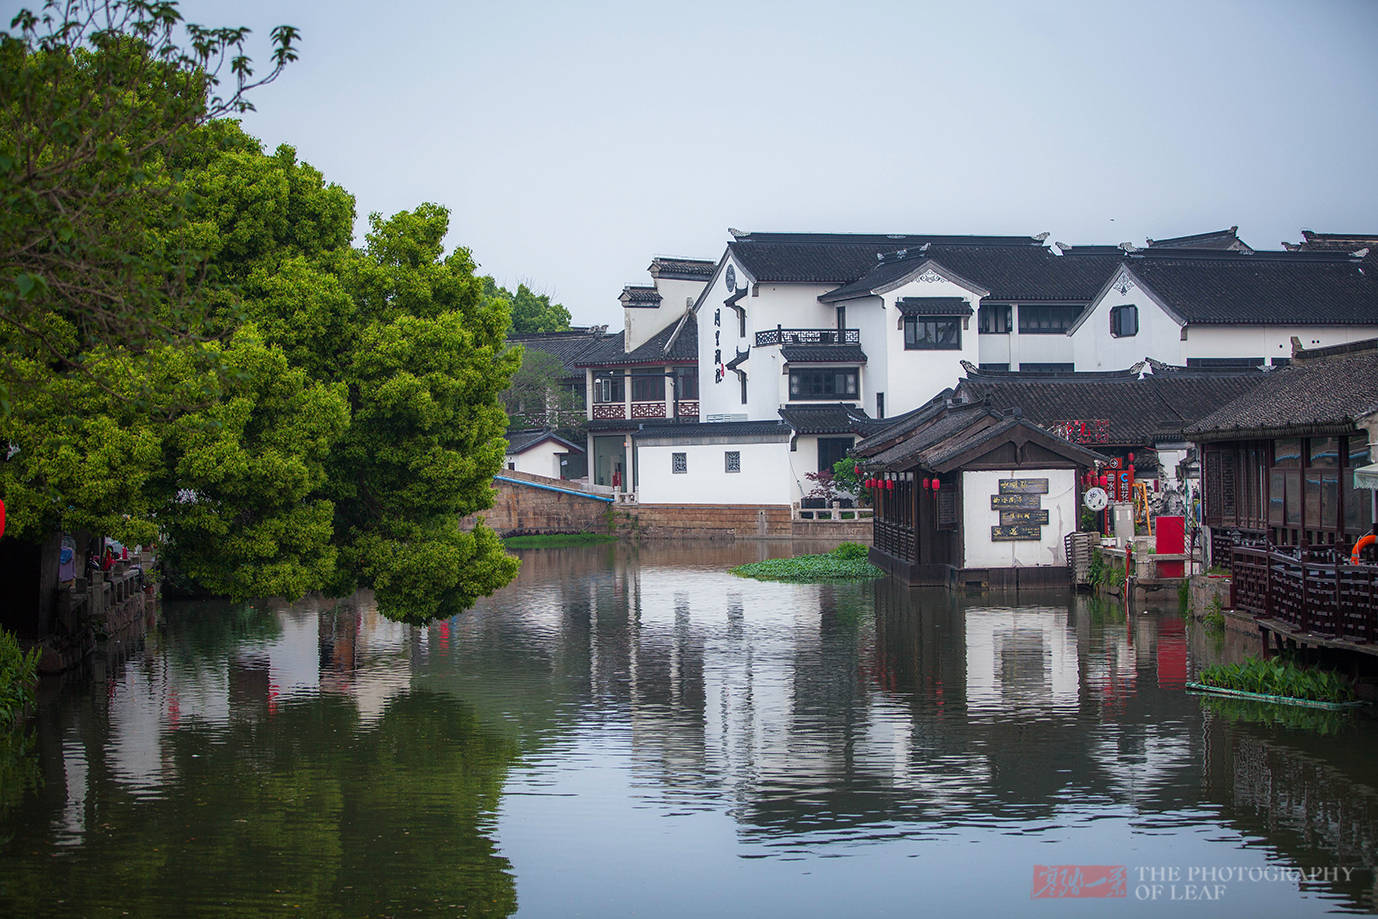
(732,461)
(988,366)
(993,319)
(941,334)
(880,405)
(830,450)
(1226,363)
(1047,320)
(742,378)
(648,388)
(1124,321)
(1046,367)
(609,387)
(823,384)
(686,383)
(679,463)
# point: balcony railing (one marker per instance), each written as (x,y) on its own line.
(1307,592)
(779,336)
(614,410)
(618,411)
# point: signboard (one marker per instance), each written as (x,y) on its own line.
(1083,430)
(1003,502)
(1024,487)
(1013,518)
(1017,532)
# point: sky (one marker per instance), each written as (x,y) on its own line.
(572,142)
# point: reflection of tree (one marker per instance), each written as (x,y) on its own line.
(305,812)
(19,770)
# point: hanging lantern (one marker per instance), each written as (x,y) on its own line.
(856,470)
(1104,481)
(1131,457)
(925,484)
(935,484)
(889,484)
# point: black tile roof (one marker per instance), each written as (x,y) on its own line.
(823,354)
(1322,391)
(640,296)
(1342,242)
(831,418)
(934,306)
(694,430)
(569,346)
(612,352)
(837,258)
(1006,273)
(1263,288)
(1125,410)
(517,441)
(682,269)
(1216,239)
(975,373)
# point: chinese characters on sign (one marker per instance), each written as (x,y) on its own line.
(1083,430)
(1078,881)
(1022,516)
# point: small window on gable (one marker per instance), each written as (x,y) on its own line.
(732,461)
(1124,321)
(679,463)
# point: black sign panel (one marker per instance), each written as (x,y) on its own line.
(1021,532)
(1005,502)
(1024,487)
(1013,518)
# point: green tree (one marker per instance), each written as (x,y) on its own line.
(291,413)
(539,397)
(97,93)
(531,312)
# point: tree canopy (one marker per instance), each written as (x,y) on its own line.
(531,312)
(290,413)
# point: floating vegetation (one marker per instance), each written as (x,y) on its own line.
(550,540)
(1252,711)
(845,563)
(1279,678)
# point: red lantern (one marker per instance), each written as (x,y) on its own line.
(935,484)
(856,470)
(1131,457)
(870,483)
(924,482)
(889,484)
(1104,481)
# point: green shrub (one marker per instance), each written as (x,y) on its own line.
(851,550)
(1279,677)
(18,680)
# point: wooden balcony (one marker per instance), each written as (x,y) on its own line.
(1308,592)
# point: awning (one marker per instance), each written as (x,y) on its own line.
(1366,477)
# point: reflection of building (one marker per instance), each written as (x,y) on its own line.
(1021,658)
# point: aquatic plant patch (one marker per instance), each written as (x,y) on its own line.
(1278,677)
(549,540)
(841,564)
(18,680)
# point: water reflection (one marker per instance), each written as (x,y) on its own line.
(626,731)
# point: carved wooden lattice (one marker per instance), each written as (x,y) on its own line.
(609,410)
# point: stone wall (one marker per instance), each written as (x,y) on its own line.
(527,509)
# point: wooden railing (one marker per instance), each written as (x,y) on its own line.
(895,540)
(1310,591)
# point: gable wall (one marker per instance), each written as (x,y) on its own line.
(1159,336)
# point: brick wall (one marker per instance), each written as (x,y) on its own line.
(521,509)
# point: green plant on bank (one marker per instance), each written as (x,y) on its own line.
(1279,677)
(18,681)
(1214,618)
(551,540)
(1103,574)
(1184,597)
(845,563)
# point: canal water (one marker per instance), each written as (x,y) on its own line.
(628,732)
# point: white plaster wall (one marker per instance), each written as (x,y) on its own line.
(978,517)
(911,378)
(642,323)
(1267,341)
(760,482)
(869,316)
(542,459)
(1159,337)
(995,349)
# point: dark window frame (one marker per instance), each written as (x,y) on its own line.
(938,325)
(732,461)
(994,319)
(1048,319)
(798,393)
(1124,321)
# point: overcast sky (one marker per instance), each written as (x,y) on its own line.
(573,141)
